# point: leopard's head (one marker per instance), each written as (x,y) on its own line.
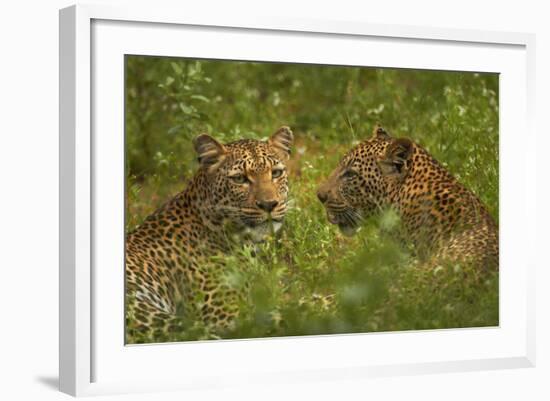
(246,181)
(358,187)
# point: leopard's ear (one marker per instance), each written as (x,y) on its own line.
(210,152)
(281,140)
(395,162)
(380,132)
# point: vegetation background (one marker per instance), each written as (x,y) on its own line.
(310,279)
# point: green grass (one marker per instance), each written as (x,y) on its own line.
(310,279)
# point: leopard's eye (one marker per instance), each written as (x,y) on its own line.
(276,173)
(349,174)
(239,179)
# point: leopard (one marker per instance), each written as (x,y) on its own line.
(441,220)
(175,270)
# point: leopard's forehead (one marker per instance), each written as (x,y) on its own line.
(252,154)
(250,147)
(365,150)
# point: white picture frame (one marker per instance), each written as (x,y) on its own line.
(93,358)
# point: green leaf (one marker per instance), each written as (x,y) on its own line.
(174,130)
(201,98)
(186,109)
(177,68)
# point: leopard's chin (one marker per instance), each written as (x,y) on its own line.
(347,230)
(260,232)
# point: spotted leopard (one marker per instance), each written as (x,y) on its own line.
(440,217)
(174,259)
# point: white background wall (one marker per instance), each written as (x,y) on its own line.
(29,196)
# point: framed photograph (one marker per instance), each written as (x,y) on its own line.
(280,200)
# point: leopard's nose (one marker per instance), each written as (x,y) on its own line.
(268,206)
(322,195)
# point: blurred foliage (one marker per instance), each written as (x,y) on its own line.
(311,279)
